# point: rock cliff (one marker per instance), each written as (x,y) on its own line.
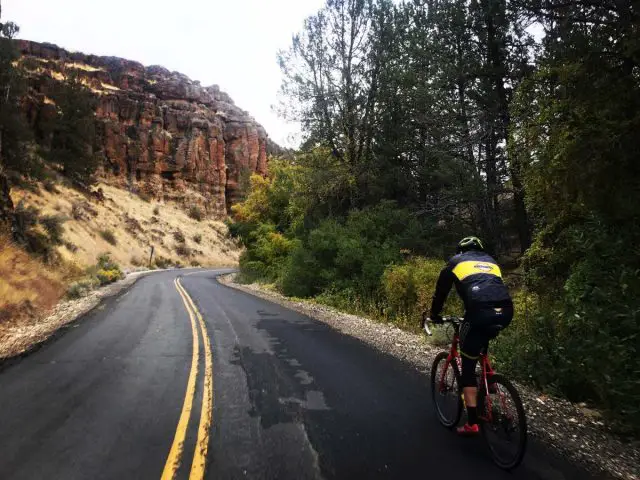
(157,131)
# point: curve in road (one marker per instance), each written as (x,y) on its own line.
(128,392)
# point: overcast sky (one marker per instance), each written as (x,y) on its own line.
(232,43)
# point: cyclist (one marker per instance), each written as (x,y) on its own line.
(487,304)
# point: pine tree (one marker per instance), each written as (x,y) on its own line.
(73,131)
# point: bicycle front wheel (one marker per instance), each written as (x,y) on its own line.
(445,390)
(503,422)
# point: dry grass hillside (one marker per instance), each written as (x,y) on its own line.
(27,288)
(26,284)
(126,226)
(118,223)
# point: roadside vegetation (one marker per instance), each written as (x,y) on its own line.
(454,120)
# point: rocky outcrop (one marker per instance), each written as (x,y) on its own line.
(157,130)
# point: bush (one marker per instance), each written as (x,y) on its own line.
(179,236)
(196,213)
(81,288)
(108,271)
(40,244)
(109,237)
(183,250)
(106,277)
(71,247)
(156,210)
(162,263)
(106,263)
(26,217)
(132,225)
(409,287)
(53,224)
(82,209)
(144,196)
(197,238)
(50,186)
(266,259)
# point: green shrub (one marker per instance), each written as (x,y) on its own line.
(81,288)
(106,277)
(196,213)
(53,224)
(26,217)
(109,236)
(105,271)
(409,287)
(156,210)
(197,238)
(106,263)
(266,258)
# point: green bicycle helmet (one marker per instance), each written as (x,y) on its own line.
(470,243)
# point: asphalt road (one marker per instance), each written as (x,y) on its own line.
(269,394)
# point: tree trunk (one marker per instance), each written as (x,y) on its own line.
(6,205)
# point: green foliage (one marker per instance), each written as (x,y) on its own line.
(82,288)
(53,224)
(105,271)
(15,134)
(73,131)
(40,234)
(450,120)
(409,286)
(106,277)
(196,213)
(109,236)
(105,262)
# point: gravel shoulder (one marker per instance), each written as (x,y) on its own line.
(575,431)
(21,338)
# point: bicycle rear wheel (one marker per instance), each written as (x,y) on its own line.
(445,390)
(503,423)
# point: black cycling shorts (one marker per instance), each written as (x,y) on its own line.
(475,336)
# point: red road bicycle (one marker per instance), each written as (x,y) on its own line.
(501,415)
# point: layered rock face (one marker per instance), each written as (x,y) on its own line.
(157,130)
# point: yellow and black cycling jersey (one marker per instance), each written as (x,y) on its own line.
(478,280)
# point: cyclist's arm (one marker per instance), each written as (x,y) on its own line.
(443,287)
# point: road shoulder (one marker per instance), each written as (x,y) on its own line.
(573,432)
(23,339)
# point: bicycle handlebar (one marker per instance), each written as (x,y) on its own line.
(448,319)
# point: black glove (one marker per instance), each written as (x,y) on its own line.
(437,319)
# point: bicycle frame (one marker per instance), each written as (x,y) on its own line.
(487,372)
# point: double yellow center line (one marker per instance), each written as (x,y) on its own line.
(174,460)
